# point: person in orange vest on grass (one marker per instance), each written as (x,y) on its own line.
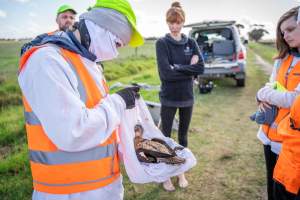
(286,72)
(65,17)
(287,168)
(71,119)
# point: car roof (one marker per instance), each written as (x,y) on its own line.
(206,24)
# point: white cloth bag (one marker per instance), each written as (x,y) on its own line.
(137,171)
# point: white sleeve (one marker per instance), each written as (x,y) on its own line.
(278,98)
(50,87)
(274,97)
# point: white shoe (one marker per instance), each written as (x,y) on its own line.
(168,186)
(182,182)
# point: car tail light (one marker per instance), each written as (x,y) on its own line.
(241,55)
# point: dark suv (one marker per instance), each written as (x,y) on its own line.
(222,49)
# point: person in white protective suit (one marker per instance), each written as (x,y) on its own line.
(71,119)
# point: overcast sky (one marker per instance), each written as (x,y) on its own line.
(27,18)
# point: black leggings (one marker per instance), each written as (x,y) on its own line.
(271,159)
(167,115)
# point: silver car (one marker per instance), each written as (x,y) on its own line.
(223,52)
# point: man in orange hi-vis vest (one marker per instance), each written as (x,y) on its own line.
(71,119)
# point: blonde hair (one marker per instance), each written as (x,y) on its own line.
(282,47)
(175,14)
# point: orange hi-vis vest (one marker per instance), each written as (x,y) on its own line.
(58,172)
(287,168)
(52,33)
(290,80)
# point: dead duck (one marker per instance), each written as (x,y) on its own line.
(155,150)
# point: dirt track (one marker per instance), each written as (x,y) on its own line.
(266,67)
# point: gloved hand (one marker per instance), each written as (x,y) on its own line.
(129,95)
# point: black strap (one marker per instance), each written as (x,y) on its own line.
(295,52)
(84,34)
(292,125)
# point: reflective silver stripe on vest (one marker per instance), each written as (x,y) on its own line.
(80,86)
(62,157)
(31,118)
(113,158)
(75,183)
(274,125)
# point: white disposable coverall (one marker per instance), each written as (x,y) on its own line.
(50,87)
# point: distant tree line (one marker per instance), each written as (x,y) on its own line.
(256,31)
(14,39)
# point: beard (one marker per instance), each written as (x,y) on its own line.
(66,27)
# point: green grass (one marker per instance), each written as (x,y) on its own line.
(121,68)
(230,161)
(267,52)
(147,50)
(11,126)
(9,59)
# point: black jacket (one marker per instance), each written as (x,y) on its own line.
(175,71)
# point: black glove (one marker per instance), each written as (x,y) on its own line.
(129,95)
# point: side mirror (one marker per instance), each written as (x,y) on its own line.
(245,42)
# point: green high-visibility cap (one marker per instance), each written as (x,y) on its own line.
(123,7)
(65,8)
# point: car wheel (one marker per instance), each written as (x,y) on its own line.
(240,82)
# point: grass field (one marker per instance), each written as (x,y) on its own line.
(267,52)
(230,161)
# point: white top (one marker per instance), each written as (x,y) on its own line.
(50,87)
(279,99)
